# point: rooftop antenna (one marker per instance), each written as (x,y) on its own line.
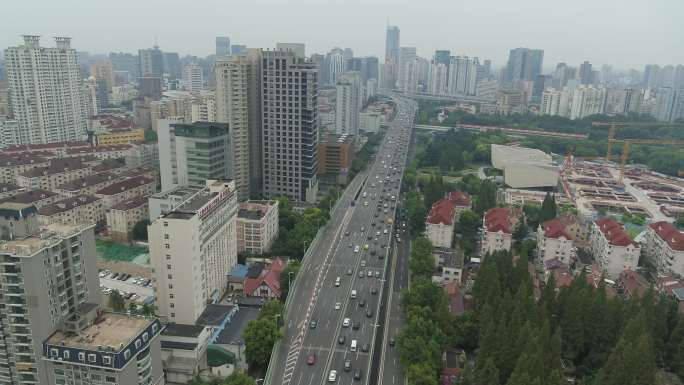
(156,42)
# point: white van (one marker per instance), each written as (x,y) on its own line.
(353,346)
(353,294)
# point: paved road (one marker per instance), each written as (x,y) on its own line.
(357,241)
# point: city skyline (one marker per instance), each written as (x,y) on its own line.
(468,29)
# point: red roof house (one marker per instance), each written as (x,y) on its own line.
(267,284)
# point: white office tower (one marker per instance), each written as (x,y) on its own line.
(289,110)
(193,79)
(334,61)
(238,103)
(192,248)
(437,79)
(587,100)
(407,69)
(45,91)
(349,103)
(463,75)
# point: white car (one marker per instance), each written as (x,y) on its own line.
(384,231)
(338,305)
(346,322)
(332,377)
(356,249)
(363,263)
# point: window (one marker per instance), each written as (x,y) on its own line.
(92,357)
(54,352)
(107,360)
(171,305)
(166,236)
(166,246)
(171,296)
(154,328)
(145,336)
(81,356)
(173,315)
(65,354)
(138,343)
(127,354)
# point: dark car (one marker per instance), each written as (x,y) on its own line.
(312,324)
(364,348)
(311,359)
(374,291)
(114,275)
(369,313)
(357,374)
(342,340)
(392,342)
(362,303)
(349,272)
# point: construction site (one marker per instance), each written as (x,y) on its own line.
(608,184)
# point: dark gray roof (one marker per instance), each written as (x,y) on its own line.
(233,332)
(88,181)
(67,204)
(182,330)
(178,345)
(214,314)
(30,196)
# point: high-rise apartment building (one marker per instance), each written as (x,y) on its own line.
(437,79)
(669,104)
(407,72)
(103,70)
(391,68)
(53,328)
(463,75)
(289,125)
(192,248)
(193,80)
(172,65)
(348,103)
(191,153)
(151,62)
(367,67)
(651,76)
(587,100)
(585,73)
(334,65)
(524,64)
(222,46)
(442,57)
(298,48)
(238,103)
(45,91)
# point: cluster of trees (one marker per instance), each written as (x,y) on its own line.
(140,230)
(118,304)
(454,150)
(364,155)
(236,378)
(296,231)
(482,192)
(261,334)
(577,331)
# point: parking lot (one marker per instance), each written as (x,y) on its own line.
(127,287)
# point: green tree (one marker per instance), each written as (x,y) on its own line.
(421,260)
(548,208)
(488,375)
(468,225)
(239,378)
(420,374)
(150,136)
(416,211)
(486,197)
(260,336)
(140,230)
(116,301)
(272,310)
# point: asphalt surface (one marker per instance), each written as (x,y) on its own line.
(342,250)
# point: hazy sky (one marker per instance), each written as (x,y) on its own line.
(625,33)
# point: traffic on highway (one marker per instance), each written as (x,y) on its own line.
(334,312)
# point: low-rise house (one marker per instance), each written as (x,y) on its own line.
(257,226)
(127,189)
(122,217)
(112,151)
(498,226)
(560,272)
(58,172)
(236,278)
(9,189)
(612,248)
(449,266)
(664,245)
(74,211)
(632,284)
(576,228)
(460,200)
(86,186)
(38,198)
(12,165)
(265,283)
(439,225)
(184,352)
(555,241)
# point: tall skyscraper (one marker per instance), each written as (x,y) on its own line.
(290,126)
(172,65)
(587,100)
(391,68)
(193,80)
(463,75)
(238,103)
(437,83)
(103,70)
(442,57)
(669,104)
(334,63)
(151,62)
(651,76)
(237,49)
(222,46)
(524,64)
(585,73)
(45,91)
(407,67)
(192,248)
(349,102)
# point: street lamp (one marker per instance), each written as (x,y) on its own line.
(259,380)
(289,285)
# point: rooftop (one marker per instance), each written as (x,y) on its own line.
(49,235)
(501,219)
(131,203)
(520,154)
(114,122)
(233,332)
(254,210)
(459,198)
(57,166)
(30,196)
(554,228)
(441,213)
(178,191)
(214,314)
(670,234)
(182,330)
(113,329)
(20,159)
(7,187)
(67,204)
(614,233)
(88,181)
(125,185)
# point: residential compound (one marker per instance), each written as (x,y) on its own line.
(439,225)
(498,226)
(257,226)
(54,329)
(663,244)
(612,248)
(555,241)
(192,248)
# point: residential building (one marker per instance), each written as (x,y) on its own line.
(45,91)
(164,201)
(58,172)
(122,217)
(349,103)
(335,156)
(103,70)
(437,83)
(290,134)
(587,100)
(498,226)
(13,165)
(87,185)
(669,104)
(585,73)
(439,225)
(407,75)
(461,202)
(9,190)
(135,186)
(510,101)
(38,198)
(299,49)
(192,248)
(142,155)
(193,80)
(449,263)
(524,64)
(264,281)
(487,89)
(370,121)
(553,241)
(463,75)
(189,154)
(257,227)
(74,211)
(222,46)
(151,62)
(237,49)
(612,248)
(664,246)
(184,352)
(238,103)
